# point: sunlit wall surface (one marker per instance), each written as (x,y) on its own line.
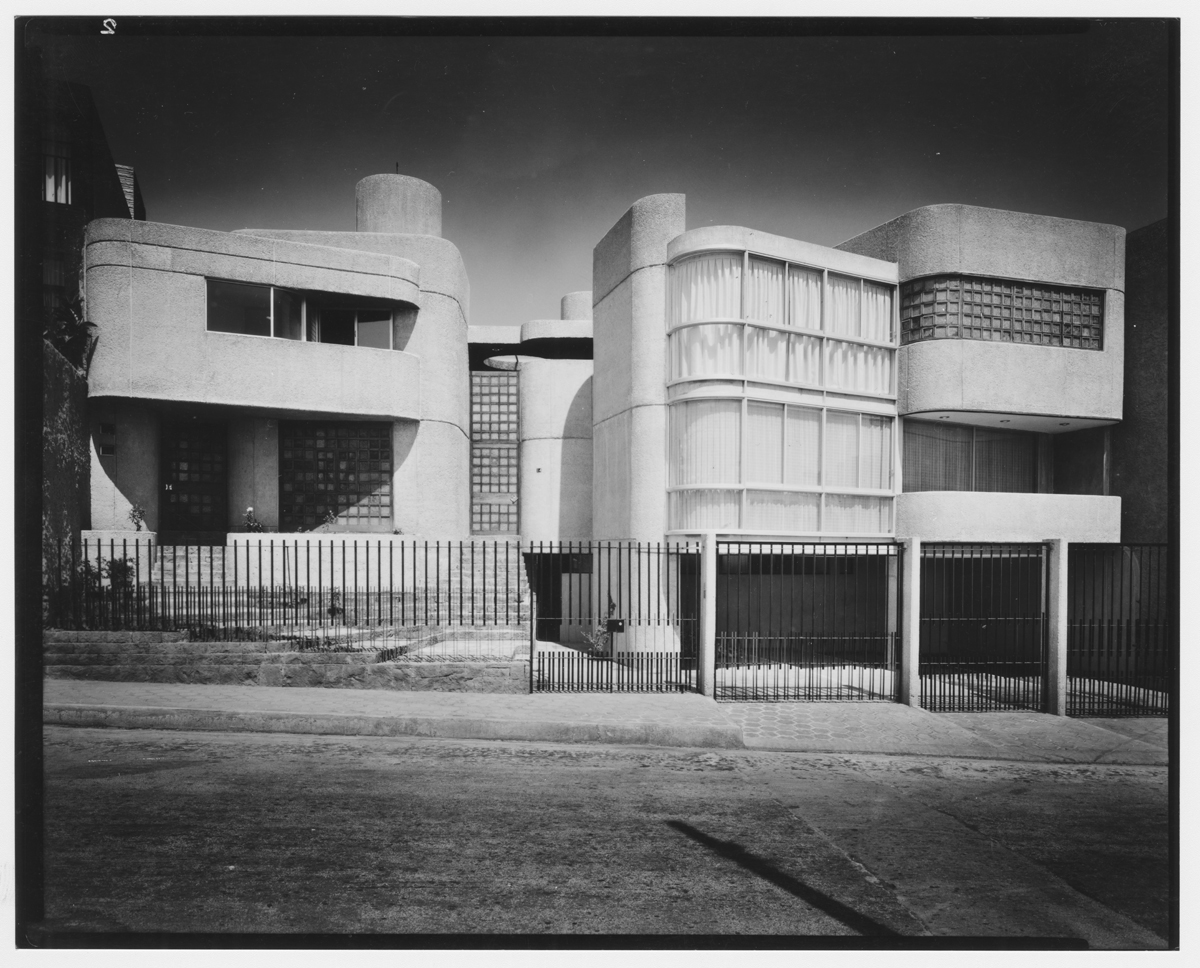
(782,386)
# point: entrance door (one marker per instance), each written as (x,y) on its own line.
(194,478)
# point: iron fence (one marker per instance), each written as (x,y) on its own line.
(983,627)
(412,599)
(614,616)
(804,621)
(1120,650)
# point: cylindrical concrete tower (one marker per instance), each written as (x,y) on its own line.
(576,305)
(398,204)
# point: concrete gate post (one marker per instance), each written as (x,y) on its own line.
(1056,637)
(707,661)
(910,630)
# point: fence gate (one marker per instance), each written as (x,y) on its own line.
(614,616)
(805,622)
(1119,647)
(983,627)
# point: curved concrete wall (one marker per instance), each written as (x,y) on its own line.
(146,293)
(980,376)
(992,516)
(629,392)
(992,242)
(576,305)
(977,375)
(556,329)
(556,450)
(398,204)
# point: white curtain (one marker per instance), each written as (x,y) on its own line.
(705,442)
(841,449)
(764,443)
(764,291)
(706,287)
(805,365)
(766,354)
(781,511)
(856,514)
(857,368)
(877,312)
(704,510)
(711,350)
(804,298)
(803,446)
(876,451)
(843,316)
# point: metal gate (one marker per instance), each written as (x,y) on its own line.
(614,617)
(806,622)
(1120,652)
(983,627)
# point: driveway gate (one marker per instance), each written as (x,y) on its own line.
(1120,652)
(983,626)
(804,622)
(614,616)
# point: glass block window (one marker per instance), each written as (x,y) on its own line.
(967,307)
(494,456)
(335,469)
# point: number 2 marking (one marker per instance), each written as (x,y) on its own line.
(110,26)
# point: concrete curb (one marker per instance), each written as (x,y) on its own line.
(343,724)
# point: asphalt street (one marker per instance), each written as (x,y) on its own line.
(168,831)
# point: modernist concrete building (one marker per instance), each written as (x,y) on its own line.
(949,375)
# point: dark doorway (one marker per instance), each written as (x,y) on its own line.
(194,501)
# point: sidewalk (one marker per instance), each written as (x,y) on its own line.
(649,719)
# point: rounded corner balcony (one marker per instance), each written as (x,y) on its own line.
(193,315)
(781,386)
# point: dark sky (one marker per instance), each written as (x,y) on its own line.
(539,144)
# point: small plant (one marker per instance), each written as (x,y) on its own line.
(251,523)
(89,575)
(600,638)
(397,531)
(335,607)
(71,334)
(120,573)
(137,516)
(330,518)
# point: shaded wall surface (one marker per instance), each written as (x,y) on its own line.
(64,465)
(1140,461)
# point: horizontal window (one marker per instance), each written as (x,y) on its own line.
(239,307)
(754,465)
(967,307)
(720,329)
(945,457)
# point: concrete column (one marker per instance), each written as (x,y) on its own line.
(910,643)
(1056,615)
(706,668)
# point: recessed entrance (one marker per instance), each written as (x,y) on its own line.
(194,499)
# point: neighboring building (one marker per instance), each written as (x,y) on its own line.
(952,375)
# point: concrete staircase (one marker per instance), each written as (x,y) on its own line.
(493,659)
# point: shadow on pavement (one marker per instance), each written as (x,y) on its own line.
(739,855)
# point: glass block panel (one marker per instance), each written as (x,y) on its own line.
(704,510)
(782,511)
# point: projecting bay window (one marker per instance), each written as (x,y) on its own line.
(737,316)
(762,467)
(250,310)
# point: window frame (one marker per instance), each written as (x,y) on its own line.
(743,322)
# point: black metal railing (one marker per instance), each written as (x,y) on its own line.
(320,594)
(807,621)
(1120,650)
(983,627)
(614,616)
